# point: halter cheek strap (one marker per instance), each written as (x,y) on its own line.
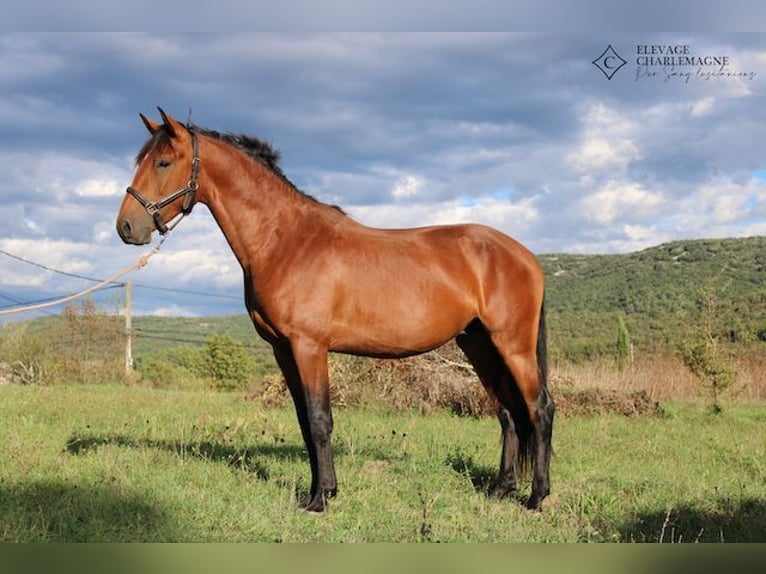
(188,193)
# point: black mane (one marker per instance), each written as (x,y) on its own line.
(251,146)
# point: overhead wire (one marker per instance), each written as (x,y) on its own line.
(115,283)
(16,302)
(47,268)
(112,284)
(107,284)
(140,333)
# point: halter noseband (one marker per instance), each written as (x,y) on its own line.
(189,191)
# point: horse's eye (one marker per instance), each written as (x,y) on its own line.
(163,163)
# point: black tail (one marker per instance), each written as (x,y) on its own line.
(542,350)
(545,406)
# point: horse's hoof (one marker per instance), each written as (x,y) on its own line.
(313,505)
(503,491)
(535,502)
(317,503)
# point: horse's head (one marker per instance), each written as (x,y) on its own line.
(165,182)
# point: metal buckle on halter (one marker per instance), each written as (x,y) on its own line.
(151,208)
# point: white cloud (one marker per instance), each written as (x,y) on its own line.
(621,200)
(407,186)
(32,226)
(722,203)
(601,153)
(675,113)
(607,144)
(71,257)
(512,218)
(171,311)
(64,255)
(104,232)
(21,278)
(196,266)
(702,107)
(98,188)
(642,236)
(499,213)
(60,177)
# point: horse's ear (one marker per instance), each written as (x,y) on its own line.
(168,123)
(151,125)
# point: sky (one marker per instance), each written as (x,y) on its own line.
(522,132)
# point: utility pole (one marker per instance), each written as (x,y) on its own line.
(128,328)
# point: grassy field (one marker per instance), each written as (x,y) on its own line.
(125,464)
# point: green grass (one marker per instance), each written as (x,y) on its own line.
(131,464)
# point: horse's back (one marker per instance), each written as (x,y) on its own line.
(489,257)
(476,257)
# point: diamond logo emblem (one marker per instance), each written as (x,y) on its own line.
(609,62)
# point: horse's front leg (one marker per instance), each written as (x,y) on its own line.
(308,380)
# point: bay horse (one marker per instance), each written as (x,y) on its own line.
(317,281)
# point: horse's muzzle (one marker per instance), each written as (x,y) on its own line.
(132,233)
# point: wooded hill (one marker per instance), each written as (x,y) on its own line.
(664,294)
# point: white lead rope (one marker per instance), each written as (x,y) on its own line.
(141,262)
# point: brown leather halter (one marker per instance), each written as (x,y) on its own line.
(153,207)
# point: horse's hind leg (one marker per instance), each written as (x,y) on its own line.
(481,353)
(525,359)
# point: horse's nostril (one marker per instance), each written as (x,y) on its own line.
(125,229)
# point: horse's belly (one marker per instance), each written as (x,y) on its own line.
(397,329)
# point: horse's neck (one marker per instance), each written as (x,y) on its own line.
(257,211)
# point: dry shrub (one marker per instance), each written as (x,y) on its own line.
(91,346)
(85,347)
(272,392)
(594,401)
(443,380)
(437,380)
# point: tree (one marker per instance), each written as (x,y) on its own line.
(703,354)
(623,346)
(705,360)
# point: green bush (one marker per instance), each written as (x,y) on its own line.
(228,363)
(163,373)
(222,363)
